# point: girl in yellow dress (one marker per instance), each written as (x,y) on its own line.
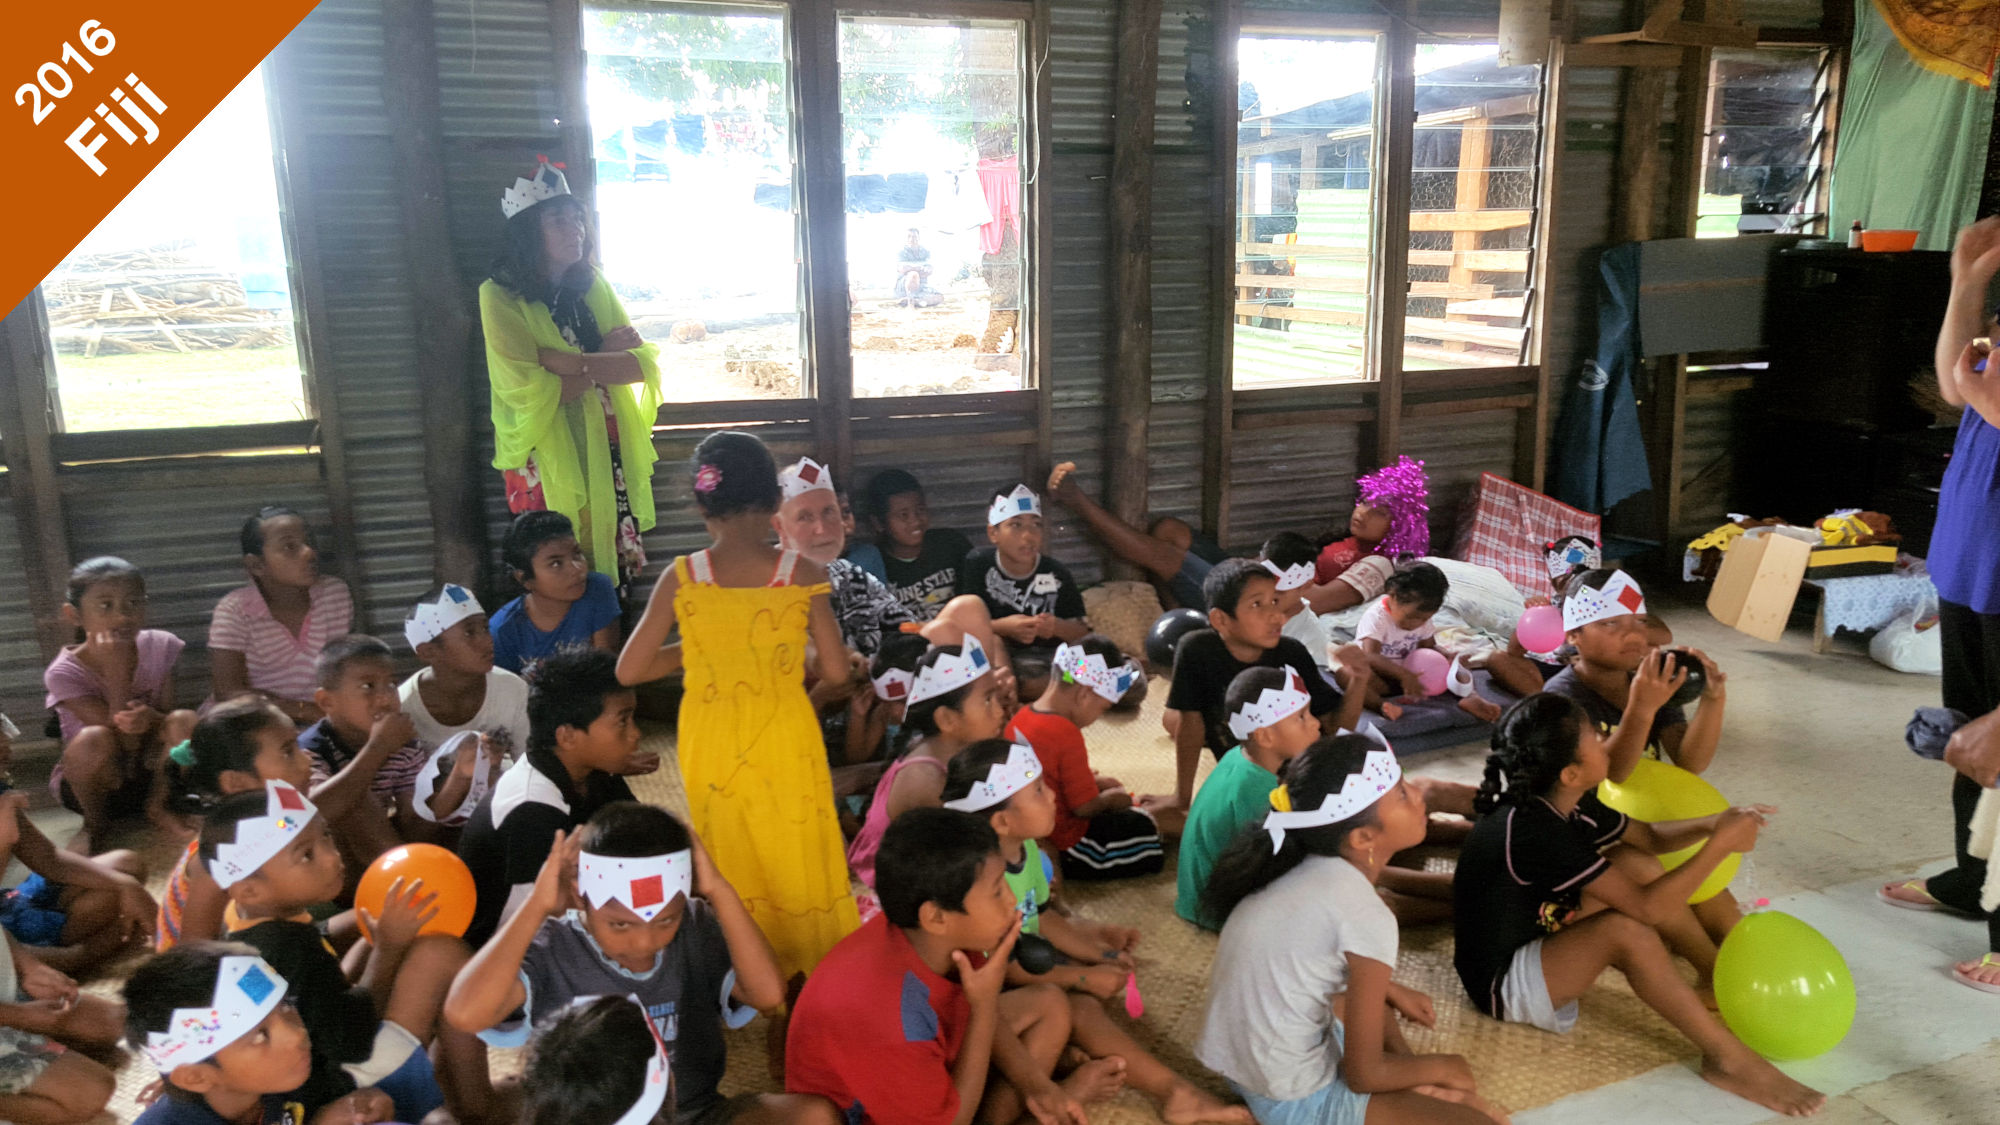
(751,754)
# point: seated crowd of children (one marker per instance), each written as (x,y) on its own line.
(885,754)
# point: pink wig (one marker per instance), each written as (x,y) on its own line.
(1403,492)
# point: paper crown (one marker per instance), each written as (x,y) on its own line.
(1571,553)
(1270,705)
(646,884)
(1620,597)
(432,776)
(795,481)
(246,990)
(1092,672)
(1291,577)
(659,1071)
(547,183)
(950,672)
(258,838)
(1458,678)
(1020,502)
(1379,773)
(455,603)
(1002,781)
(893,686)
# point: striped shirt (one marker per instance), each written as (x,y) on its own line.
(279,662)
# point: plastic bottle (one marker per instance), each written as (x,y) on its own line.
(1854,236)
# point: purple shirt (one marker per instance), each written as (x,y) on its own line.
(1965,546)
(68,678)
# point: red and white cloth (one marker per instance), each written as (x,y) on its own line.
(1507,525)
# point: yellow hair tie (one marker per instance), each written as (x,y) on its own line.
(1281,799)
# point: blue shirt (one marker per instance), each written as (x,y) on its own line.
(1965,546)
(274,1109)
(868,557)
(516,641)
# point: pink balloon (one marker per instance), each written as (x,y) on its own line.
(1540,629)
(1431,666)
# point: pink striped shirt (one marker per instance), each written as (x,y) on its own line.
(279,662)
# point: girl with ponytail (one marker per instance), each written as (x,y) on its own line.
(1554,887)
(1299,997)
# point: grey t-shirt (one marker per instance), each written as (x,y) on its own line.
(1282,959)
(685,994)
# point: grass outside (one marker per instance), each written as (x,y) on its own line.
(171,390)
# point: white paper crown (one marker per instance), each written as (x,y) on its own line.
(795,481)
(1379,773)
(246,990)
(950,672)
(432,776)
(1572,554)
(659,1069)
(1458,678)
(455,603)
(1020,502)
(893,686)
(1270,705)
(646,884)
(1291,577)
(547,183)
(1002,781)
(258,838)
(1620,597)
(1092,672)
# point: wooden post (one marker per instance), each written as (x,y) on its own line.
(1531,447)
(1475,154)
(1668,413)
(1636,179)
(410,95)
(1040,277)
(816,106)
(1395,155)
(1129,398)
(26,406)
(1218,441)
(566,41)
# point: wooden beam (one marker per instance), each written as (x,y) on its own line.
(815,28)
(444,325)
(1218,436)
(1533,427)
(1475,150)
(126,445)
(1621,54)
(1465,292)
(1694,111)
(1042,231)
(1636,179)
(1304,316)
(1391,267)
(1129,398)
(27,373)
(572,107)
(1482,261)
(1470,220)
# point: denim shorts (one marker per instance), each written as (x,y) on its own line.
(1332,1104)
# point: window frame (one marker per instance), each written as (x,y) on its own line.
(1829,82)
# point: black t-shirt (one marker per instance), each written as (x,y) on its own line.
(1521,877)
(1048,588)
(1607,715)
(1203,669)
(925,583)
(515,825)
(186,1109)
(340,1018)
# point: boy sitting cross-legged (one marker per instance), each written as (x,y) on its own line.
(897,1027)
(274,856)
(214,1018)
(1003,782)
(632,905)
(365,740)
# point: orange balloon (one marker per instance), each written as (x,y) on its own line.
(444,875)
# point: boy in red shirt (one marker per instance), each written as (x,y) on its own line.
(1098,833)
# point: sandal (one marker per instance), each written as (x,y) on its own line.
(1930,904)
(1990,961)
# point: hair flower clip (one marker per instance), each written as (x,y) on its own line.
(707,479)
(1281,799)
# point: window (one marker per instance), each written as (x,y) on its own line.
(1472,208)
(698,232)
(1764,153)
(177,309)
(931,138)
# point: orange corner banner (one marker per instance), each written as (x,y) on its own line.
(101,92)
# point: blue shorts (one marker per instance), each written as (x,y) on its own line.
(413,1087)
(1332,1104)
(32,912)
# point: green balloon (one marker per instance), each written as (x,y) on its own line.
(1783,988)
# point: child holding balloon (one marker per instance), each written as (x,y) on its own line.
(1395,630)
(1553,888)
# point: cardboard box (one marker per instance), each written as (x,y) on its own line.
(1759,580)
(1852,562)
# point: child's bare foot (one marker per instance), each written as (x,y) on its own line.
(1461,1097)
(1753,1079)
(1096,1080)
(1391,711)
(1071,1058)
(1169,818)
(1481,708)
(1189,1104)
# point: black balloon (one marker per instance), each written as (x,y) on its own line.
(1165,635)
(1697,681)
(1034,953)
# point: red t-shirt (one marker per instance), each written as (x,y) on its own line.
(1336,558)
(1066,763)
(876,1031)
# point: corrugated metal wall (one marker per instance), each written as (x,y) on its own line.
(20,656)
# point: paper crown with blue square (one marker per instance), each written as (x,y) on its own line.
(950,673)
(246,990)
(1020,502)
(429,620)
(1003,780)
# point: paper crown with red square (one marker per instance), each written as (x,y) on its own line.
(1020,502)
(1271,705)
(429,620)
(645,884)
(950,672)
(1003,780)
(795,481)
(1079,667)
(1379,773)
(893,686)
(247,989)
(1620,597)
(547,183)
(258,838)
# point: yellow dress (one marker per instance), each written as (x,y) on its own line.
(753,760)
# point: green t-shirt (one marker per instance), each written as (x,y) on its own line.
(1030,883)
(1237,793)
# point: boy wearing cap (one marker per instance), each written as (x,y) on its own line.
(652,918)
(473,714)
(1032,600)
(1098,834)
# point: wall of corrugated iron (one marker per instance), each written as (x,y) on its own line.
(20,656)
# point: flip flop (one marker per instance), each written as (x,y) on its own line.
(1930,905)
(1991,960)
